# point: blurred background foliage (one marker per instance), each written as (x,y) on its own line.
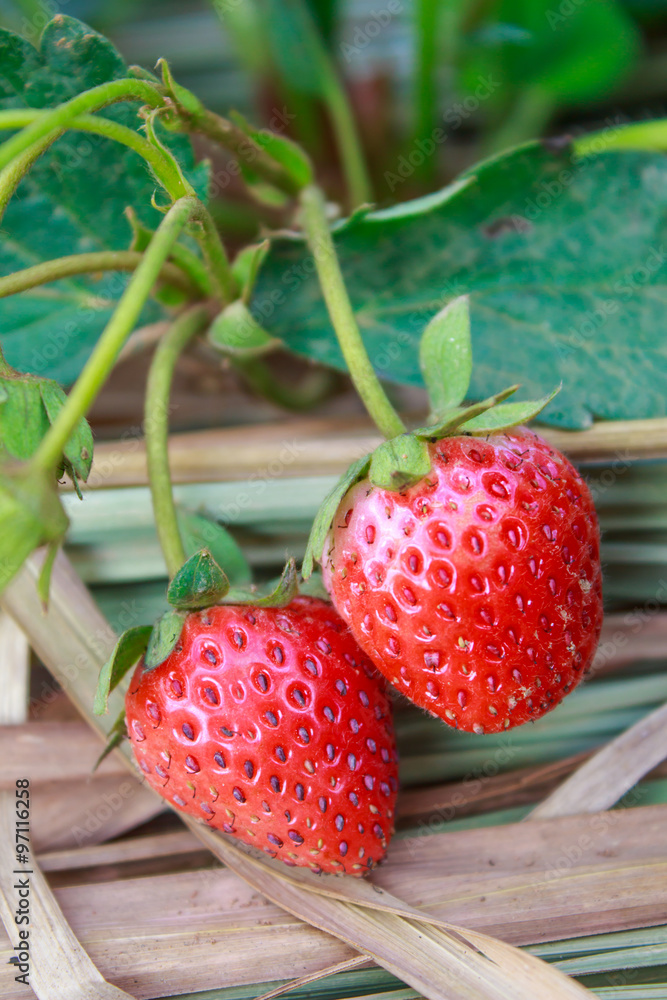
(452,79)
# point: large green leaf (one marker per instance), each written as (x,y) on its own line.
(72,201)
(564,261)
(574,51)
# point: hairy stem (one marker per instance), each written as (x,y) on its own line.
(156,429)
(342,315)
(160,161)
(215,254)
(56,120)
(114,335)
(232,137)
(87,263)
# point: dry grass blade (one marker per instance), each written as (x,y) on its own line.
(60,969)
(52,751)
(611,772)
(438,963)
(314,977)
(328,446)
(14,670)
(438,960)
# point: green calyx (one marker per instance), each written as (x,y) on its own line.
(401,462)
(30,515)
(199,583)
(28,406)
(236,332)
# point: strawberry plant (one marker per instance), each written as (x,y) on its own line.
(460,558)
(518,645)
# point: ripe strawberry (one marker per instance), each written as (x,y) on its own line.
(270,724)
(477,591)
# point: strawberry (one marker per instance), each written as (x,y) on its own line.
(476,590)
(270,724)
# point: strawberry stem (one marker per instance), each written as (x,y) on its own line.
(90,263)
(156,429)
(115,334)
(342,315)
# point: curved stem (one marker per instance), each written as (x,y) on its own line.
(114,335)
(86,263)
(342,315)
(161,161)
(156,430)
(216,255)
(347,136)
(232,137)
(57,119)
(637,135)
(315,387)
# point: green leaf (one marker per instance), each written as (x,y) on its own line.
(79,449)
(131,645)
(445,355)
(282,149)
(283,593)
(73,199)
(262,192)
(198,583)
(506,415)
(562,258)
(115,737)
(198,532)
(399,463)
(44,578)
(164,636)
(246,265)
(30,515)
(325,514)
(454,418)
(295,45)
(24,419)
(30,406)
(181,95)
(235,331)
(576,53)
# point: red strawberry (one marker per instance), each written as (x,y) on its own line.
(270,724)
(477,592)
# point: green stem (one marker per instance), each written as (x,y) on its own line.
(5,369)
(232,137)
(315,387)
(87,263)
(342,315)
(55,121)
(347,135)
(156,429)
(161,162)
(215,254)
(426,63)
(191,265)
(642,135)
(114,335)
(527,119)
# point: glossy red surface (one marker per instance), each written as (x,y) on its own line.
(477,592)
(271,724)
